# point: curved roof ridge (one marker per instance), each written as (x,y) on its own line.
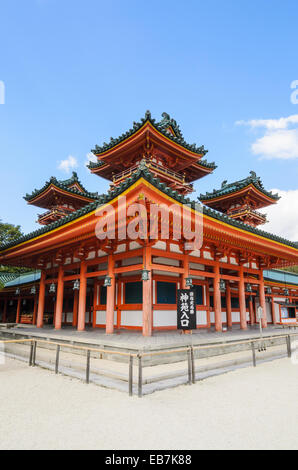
(143,171)
(229,188)
(62,184)
(161,126)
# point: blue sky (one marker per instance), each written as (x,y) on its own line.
(78,72)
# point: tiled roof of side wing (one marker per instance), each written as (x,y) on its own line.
(144,172)
(7,277)
(284,277)
(237,186)
(161,126)
(65,185)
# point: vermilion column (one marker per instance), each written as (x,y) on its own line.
(273,311)
(34,310)
(18,310)
(228,304)
(251,312)
(243,322)
(5,311)
(82,297)
(110,297)
(217,299)
(59,299)
(75,308)
(147,294)
(262,299)
(41,298)
(186,270)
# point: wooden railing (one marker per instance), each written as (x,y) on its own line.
(254,343)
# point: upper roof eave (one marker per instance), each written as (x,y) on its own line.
(145,173)
(160,127)
(233,188)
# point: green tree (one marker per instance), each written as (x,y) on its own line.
(8,234)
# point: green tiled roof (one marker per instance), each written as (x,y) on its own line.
(277,275)
(26,278)
(237,186)
(65,185)
(144,172)
(6,277)
(161,126)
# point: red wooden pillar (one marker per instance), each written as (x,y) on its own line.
(82,297)
(18,310)
(228,304)
(262,299)
(273,311)
(59,299)
(217,298)
(5,311)
(41,299)
(34,310)
(251,312)
(110,297)
(243,322)
(147,294)
(75,308)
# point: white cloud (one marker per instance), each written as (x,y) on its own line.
(90,157)
(270,124)
(283,216)
(281,144)
(280,139)
(68,164)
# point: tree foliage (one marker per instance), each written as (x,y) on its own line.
(8,234)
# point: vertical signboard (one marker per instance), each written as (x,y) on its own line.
(186,310)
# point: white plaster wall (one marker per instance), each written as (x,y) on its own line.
(166,261)
(132,318)
(207,255)
(121,248)
(131,261)
(165,273)
(69,317)
(134,245)
(160,245)
(198,266)
(236,317)
(201,317)
(268,312)
(276,307)
(196,253)
(164,318)
(101,317)
(175,248)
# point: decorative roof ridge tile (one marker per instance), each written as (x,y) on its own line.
(160,126)
(143,171)
(62,184)
(237,186)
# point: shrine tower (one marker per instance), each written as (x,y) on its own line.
(60,197)
(154,143)
(241,200)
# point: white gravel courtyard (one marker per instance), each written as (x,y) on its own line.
(245,409)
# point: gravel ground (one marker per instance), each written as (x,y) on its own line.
(245,409)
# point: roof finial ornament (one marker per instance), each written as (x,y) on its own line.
(253,174)
(147,114)
(224,183)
